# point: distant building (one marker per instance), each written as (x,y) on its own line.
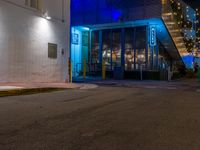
(34,40)
(128,35)
(198,31)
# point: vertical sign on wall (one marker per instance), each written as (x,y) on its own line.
(75,39)
(153,36)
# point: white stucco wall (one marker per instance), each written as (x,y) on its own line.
(24,38)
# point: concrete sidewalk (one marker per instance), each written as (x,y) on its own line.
(20,86)
(176,84)
(16,89)
(17,86)
(94,84)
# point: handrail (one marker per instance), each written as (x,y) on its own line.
(91,67)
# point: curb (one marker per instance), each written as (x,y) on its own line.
(17,92)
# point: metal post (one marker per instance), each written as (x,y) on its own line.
(141,75)
(111,48)
(123,48)
(69,70)
(152,57)
(169,73)
(84,69)
(134,48)
(103,69)
(100,45)
(71,73)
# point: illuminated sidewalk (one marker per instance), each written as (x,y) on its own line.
(20,86)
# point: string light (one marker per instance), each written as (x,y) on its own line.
(188,23)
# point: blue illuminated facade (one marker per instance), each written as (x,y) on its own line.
(127,34)
(92,12)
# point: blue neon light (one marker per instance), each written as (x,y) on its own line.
(87,12)
(152,36)
(116,15)
(75,38)
(188,60)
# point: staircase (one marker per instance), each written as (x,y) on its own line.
(173,28)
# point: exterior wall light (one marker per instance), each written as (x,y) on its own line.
(46,16)
(86,28)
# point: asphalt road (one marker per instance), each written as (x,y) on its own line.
(104,118)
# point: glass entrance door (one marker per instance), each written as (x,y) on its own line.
(140,47)
(129,49)
(140,58)
(106,51)
(116,48)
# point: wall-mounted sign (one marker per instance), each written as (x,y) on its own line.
(153,36)
(52,50)
(75,39)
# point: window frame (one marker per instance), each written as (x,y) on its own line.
(52,50)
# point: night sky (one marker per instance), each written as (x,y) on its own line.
(193,3)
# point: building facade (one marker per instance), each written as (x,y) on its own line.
(34,40)
(127,37)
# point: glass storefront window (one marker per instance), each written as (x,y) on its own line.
(140,58)
(116,48)
(124,48)
(95,47)
(135,48)
(129,49)
(149,58)
(106,52)
(140,45)
(164,58)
